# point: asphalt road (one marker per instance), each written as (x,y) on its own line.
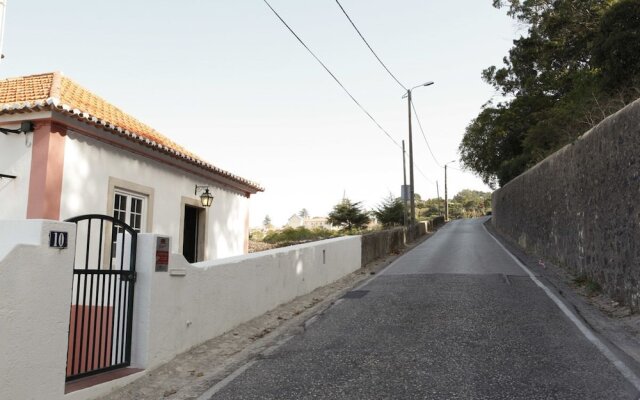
(455,318)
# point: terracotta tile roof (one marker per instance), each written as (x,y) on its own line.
(55,91)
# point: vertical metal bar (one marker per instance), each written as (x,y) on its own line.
(90,316)
(86,256)
(121,314)
(82,325)
(75,322)
(114,234)
(132,267)
(111,296)
(88,355)
(124,239)
(84,297)
(125,318)
(112,305)
(118,318)
(102,326)
(99,289)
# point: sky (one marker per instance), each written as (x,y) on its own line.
(225,79)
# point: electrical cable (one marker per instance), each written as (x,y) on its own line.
(392,76)
(369,46)
(422,173)
(415,112)
(340,83)
(332,75)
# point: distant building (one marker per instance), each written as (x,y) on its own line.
(296,221)
(317,222)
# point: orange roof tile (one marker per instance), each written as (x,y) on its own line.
(55,91)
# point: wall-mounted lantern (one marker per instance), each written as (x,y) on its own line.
(206,198)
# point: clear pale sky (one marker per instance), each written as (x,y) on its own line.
(226,80)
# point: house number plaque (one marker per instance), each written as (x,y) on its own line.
(58,240)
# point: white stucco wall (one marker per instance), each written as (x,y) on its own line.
(173,310)
(89,164)
(35,287)
(176,312)
(15,159)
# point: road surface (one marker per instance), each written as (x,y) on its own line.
(455,318)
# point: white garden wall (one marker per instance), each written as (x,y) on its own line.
(173,310)
(35,294)
(190,304)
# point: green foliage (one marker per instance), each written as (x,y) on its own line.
(470,203)
(267,222)
(579,62)
(390,212)
(430,208)
(617,47)
(289,236)
(466,204)
(348,215)
(303,213)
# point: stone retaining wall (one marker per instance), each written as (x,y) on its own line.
(580,207)
(380,244)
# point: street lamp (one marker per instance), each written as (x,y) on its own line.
(412,201)
(446,201)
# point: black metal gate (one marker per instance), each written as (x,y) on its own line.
(102,299)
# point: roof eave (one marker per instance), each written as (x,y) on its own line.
(53,103)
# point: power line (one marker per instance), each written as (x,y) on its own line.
(332,75)
(415,112)
(394,78)
(367,43)
(425,177)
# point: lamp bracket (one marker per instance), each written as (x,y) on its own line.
(200,188)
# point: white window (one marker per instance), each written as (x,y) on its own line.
(130,208)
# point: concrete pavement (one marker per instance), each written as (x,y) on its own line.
(455,318)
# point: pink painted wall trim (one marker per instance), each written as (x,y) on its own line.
(47,161)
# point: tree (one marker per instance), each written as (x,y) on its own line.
(578,63)
(431,208)
(473,203)
(303,213)
(267,222)
(348,215)
(617,46)
(390,212)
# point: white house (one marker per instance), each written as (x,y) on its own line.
(295,221)
(66,152)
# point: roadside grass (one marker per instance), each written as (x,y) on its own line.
(591,287)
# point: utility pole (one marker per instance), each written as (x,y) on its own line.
(446,200)
(438,192)
(411,181)
(404,187)
(412,201)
